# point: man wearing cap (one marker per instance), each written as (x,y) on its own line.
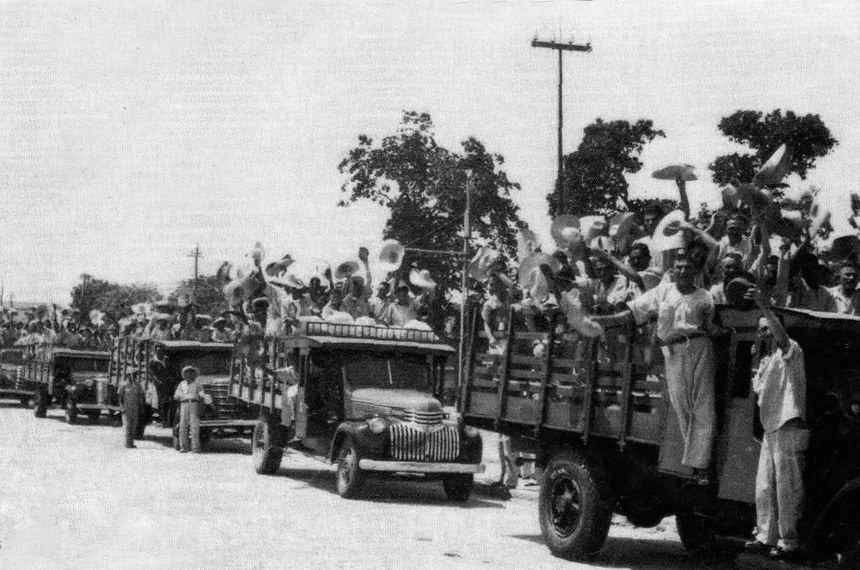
(189,393)
(684,313)
(846,294)
(132,398)
(780,382)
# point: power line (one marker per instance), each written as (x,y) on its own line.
(561,47)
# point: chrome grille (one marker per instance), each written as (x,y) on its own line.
(410,444)
(423,418)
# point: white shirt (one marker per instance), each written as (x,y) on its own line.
(742,248)
(677,314)
(780,383)
(187,391)
(846,304)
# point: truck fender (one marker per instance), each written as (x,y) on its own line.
(840,513)
(343,430)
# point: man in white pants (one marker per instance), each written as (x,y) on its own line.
(189,394)
(780,383)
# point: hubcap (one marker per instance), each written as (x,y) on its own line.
(565,505)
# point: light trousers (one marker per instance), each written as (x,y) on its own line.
(189,420)
(690,379)
(779,486)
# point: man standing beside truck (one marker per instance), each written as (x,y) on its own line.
(684,313)
(780,382)
(189,393)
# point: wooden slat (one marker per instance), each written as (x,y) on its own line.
(530,360)
(526,335)
(526,374)
(565,379)
(503,392)
(564,362)
(478,382)
(487,357)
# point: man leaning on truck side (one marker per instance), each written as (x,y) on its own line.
(780,382)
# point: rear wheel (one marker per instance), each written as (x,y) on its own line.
(575,505)
(697,532)
(267,456)
(458,487)
(350,477)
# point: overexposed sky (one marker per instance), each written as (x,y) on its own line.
(129,131)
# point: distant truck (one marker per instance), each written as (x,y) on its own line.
(365,398)
(219,416)
(13,386)
(599,420)
(57,376)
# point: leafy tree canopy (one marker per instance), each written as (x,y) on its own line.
(807,137)
(206,293)
(112,298)
(594,180)
(424,186)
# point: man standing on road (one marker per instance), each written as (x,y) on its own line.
(780,383)
(684,314)
(188,394)
(132,406)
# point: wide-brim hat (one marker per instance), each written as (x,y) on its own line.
(346,269)
(775,168)
(260,303)
(622,229)
(421,279)
(667,235)
(391,256)
(686,172)
(482,263)
(561,227)
(591,227)
(526,272)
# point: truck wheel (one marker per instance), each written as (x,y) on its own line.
(696,531)
(350,477)
(267,457)
(94,416)
(575,505)
(71,413)
(458,487)
(41,407)
(25,401)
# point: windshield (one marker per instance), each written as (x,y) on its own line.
(389,371)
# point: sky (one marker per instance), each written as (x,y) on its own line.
(131,131)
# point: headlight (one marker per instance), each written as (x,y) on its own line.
(471,431)
(377,425)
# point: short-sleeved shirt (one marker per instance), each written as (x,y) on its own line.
(846,304)
(397,315)
(189,391)
(780,382)
(677,314)
(377,307)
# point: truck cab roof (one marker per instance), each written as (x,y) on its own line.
(366,337)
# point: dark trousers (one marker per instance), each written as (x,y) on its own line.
(132,421)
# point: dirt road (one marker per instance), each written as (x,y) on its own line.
(73,497)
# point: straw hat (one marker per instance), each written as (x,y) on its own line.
(531,264)
(560,229)
(482,263)
(391,256)
(775,168)
(667,234)
(346,269)
(591,227)
(685,172)
(421,279)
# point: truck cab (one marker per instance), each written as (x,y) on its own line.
(363,397)
(598,417)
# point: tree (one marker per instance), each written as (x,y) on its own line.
(594,180)
(205,291)
(111,298)
(423,184)
(807,138)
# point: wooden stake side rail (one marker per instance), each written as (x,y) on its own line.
(579,385)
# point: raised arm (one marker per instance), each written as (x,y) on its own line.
(780,337)
(628,272)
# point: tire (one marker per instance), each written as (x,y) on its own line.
(94,416)
(575,505)
(40,410)
(458,488)
(350,477)
(71,413)
(697,532)
(25,401)
(267,457)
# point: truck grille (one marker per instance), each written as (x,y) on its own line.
(423,418)
(410,444)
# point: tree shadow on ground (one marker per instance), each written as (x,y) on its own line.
(647,554)
(381,489)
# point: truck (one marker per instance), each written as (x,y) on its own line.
(597,415)
(63,377)
(365,398)
(12,384)
(220,416)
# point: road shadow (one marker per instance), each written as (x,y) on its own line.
(381,489)
(647,554)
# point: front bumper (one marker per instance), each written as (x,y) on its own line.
(420,467)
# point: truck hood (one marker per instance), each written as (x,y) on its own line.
(384,401)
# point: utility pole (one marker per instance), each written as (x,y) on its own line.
(561,47)
(196,254)
(467,236)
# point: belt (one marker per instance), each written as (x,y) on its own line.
(679,340)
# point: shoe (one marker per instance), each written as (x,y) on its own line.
(778,553)
(130,446)
(757,547)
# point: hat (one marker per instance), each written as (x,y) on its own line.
(591,227)
(685,172)
(561,230)
(219,322)
(190,368)
(346,269)
(667,235)
(775,168)
(260,303)
(203,318)
(421,279)
(161,317)
(391,256)
(622,227)
(482,263)
(532,263)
